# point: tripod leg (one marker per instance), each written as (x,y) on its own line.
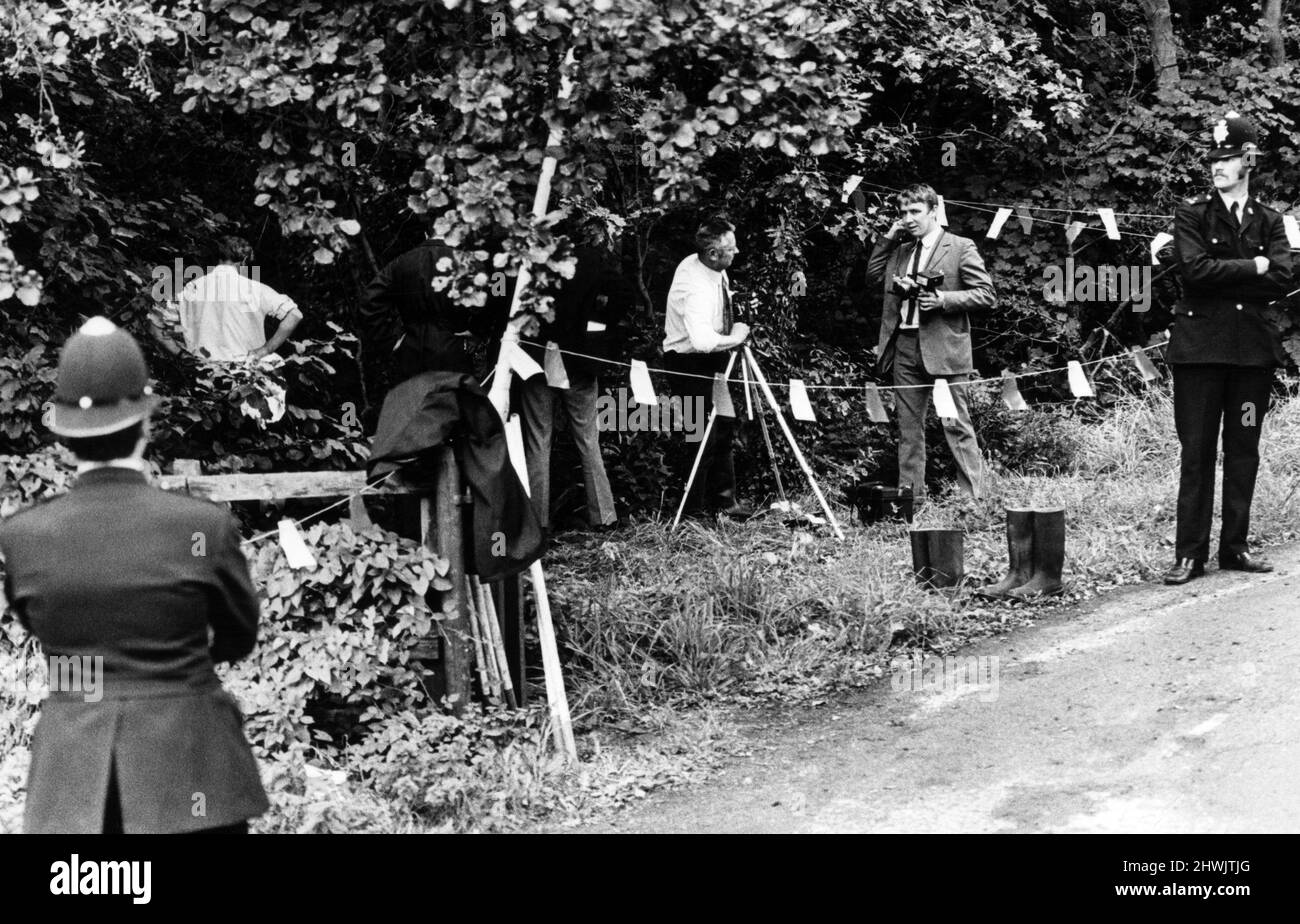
(799,457)
(695,466)
(762,423)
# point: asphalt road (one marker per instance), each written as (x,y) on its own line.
(1155,709)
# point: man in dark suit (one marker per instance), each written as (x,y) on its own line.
(925,330)
(408,327)
(587,308)
(148,590)
(1234,259)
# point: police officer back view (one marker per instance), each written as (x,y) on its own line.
(148,590)
(1234,259)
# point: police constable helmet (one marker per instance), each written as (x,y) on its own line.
(103,382)
(1234,136)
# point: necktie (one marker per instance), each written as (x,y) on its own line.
(916,266)
(1236,213)
(727,319)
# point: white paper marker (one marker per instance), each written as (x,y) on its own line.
(722,397)
(944,406)
(849,185)
(1146,368)
(524,365)
(942,217)
(1080,387)
(553,363)
(642,389)
(1073,231)
(296,552)
(999,220)
(1159,242)
(799,402)
(1108,219)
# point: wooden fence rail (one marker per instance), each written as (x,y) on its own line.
(440,531)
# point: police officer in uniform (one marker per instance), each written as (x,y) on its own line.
(147,590)
(1234,259)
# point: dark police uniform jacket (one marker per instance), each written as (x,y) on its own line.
(1220,317)
(121,570)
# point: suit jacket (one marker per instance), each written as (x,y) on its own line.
(433,408)
(405,321)
(597,292)
(1220,317)
(119,570)
(944,334)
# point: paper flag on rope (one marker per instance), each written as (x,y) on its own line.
(1079,384)
(296,552)
(1145,366)
(553,363)
(942,217)
(1026,219)
(515,449)
(358,516)
(722,397)
(876,407)
(642,389)
(1011,396)
(799,402)
(1158,243)
(524,365)
(1108,219)
(944,406)
(1073,230)
(1292,231)
(999,220)
(849,185)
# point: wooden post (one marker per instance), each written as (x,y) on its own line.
(446,539)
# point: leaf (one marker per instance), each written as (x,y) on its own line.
(350,226)
(323,255)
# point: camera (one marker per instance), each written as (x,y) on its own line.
(925,282)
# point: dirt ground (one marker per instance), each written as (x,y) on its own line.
(1154,709)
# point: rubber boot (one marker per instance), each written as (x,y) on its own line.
(937,556)
(1020,550)
(920,555)
(947,557)
(1049,556)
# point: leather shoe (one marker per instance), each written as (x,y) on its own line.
(1184,570)
(1243,561)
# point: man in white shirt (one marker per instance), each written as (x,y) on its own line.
(221,314)
(698,332)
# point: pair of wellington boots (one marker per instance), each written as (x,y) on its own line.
(1036,543)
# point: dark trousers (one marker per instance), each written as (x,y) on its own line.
(1205,397)
(715,482)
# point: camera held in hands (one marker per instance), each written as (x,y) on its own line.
(922,282)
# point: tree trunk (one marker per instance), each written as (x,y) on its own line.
(1164,46)
(1271,21)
